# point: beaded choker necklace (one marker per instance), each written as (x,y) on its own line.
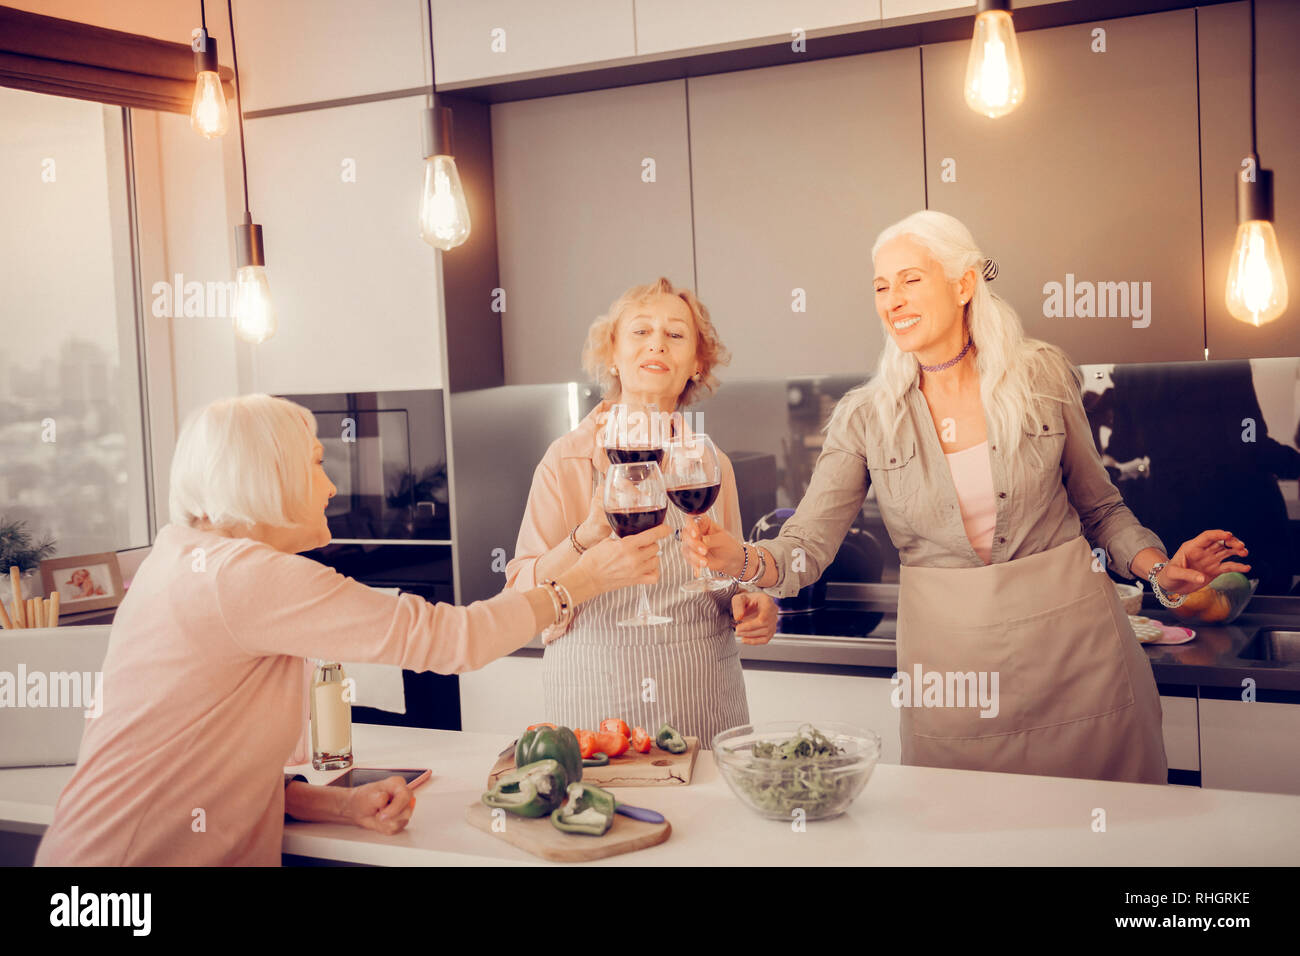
(951,362)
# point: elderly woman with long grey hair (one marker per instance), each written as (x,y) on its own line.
(975,439)
(203,694)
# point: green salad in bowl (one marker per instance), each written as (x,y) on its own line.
(779,768)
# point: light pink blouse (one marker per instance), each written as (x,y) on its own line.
(972,475)
(204,695)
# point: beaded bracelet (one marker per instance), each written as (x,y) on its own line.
(562,601)
(744,549)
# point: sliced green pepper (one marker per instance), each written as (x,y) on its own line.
(588,809)
(533,790)
(551,743)
(598,759)
(670,740)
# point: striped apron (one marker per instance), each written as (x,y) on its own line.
(686,674)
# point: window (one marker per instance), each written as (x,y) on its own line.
(72,431)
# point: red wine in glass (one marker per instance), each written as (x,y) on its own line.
(635,500)
(694,499)
(635,520)
(635,456)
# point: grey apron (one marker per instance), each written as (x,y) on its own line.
(686,674)
(1076,696)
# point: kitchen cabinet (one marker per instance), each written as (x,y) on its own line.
(592,196)
(1250,746)
(476,41)
(1181,732)
(1224,50)
(795,169)
(308,51)
(337,191)
(663,25)
(1090,184)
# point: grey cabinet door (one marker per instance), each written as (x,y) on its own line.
(579,218)
(1092,184)
(796,168)
(1224,33)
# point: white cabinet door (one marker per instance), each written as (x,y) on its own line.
(663,25)
(1250,746)
(1182,747)
(477,40)
(337,192)
(502,698)
(308,51)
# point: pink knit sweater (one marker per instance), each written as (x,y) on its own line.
(204,695)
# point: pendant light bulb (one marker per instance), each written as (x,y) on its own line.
(255,320)
(1257,291)
(444,215)
(995,77)
(209,116)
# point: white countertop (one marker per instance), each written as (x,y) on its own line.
(906,816)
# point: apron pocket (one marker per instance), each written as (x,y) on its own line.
(1060,665)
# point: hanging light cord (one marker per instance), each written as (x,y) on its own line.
(1254,149)
(433,77)
(203,17)
(239,107)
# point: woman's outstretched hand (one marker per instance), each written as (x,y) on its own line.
(1201,560)
(705,542)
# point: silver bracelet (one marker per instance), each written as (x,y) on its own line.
(760,570)
(1160,593)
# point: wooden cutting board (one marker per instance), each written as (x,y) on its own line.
(540,837)
(658,768)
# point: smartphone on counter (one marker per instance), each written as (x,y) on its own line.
(360,776)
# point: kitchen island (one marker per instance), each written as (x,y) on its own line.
(906,816)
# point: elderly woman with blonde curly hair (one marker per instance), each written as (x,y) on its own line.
(655,347)
(203,693)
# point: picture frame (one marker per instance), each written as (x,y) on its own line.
(85,582)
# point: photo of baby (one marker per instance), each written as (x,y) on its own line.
(82,584)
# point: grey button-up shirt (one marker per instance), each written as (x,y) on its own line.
(1054,488)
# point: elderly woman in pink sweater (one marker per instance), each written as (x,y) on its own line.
(203,694)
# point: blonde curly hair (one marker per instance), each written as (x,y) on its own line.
(598,352)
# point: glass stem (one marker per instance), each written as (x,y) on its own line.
(643,604)
(703,572)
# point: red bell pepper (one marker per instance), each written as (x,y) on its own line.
(535,726)
(613,744)
(615,725)
(641,740)
(586,743)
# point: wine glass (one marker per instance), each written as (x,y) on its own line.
(632,436)
(636,501)
(693,477)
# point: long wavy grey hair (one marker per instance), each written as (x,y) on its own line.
(1008,362)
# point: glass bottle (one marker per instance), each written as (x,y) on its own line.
(331,719)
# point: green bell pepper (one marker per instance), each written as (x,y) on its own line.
(670,740)
(533,790)
(551,743)
(587,809)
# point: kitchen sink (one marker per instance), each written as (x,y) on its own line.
(1273,644)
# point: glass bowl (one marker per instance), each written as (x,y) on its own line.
(775,787)
(1218,603)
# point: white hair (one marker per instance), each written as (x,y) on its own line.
(244,461)
(1008,363)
